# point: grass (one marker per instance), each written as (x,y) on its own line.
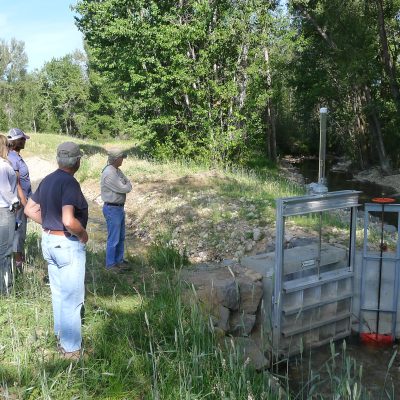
(163,255)
(144,340)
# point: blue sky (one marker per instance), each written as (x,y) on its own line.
(46,26)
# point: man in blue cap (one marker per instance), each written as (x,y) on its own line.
(17,138)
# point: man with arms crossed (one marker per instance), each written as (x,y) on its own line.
(60,207)
(114,187)
(17,139)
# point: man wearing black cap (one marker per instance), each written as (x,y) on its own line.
(114,187)
(17,138)
(60,207)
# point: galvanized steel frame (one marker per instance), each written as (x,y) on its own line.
(291,206)
(391,208)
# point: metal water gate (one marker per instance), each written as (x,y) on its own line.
(380,275)
(313,285)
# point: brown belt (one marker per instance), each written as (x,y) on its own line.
(58,233)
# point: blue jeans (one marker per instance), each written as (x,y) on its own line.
(66,258)
(7,230)
(115,218)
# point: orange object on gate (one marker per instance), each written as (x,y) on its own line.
(377,339)
(383,200)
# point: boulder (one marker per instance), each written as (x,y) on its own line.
(241,324)
(250,353)
(220,318)
(250,295)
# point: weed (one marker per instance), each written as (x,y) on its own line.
(163,255)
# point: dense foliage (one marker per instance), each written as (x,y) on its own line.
(228,80)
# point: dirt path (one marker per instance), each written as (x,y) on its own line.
(39,168)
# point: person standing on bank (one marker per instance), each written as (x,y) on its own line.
(17,138)
(114,187)
(8,205)
(60,207)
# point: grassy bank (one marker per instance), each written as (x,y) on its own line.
(142,342)
(141,339)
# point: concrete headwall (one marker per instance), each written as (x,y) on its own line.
(265,265)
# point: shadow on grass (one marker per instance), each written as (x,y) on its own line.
(91,149)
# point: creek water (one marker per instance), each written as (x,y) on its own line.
(379,382)
(343,180)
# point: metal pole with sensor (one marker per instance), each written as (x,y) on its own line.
(321,187)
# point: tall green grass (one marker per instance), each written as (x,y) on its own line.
(143,341)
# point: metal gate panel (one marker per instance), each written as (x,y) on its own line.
(313,286)
(385,307)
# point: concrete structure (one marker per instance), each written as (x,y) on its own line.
(324,291)
(265,265)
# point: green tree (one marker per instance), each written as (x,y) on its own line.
(13,63)
(340,66)
(65,91)
(183,70)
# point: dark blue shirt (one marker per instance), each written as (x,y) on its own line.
(55,191)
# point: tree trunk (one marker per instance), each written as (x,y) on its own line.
(388,64)
(267,134)
(376,132)
(272,135)
(362,146)
(270,114)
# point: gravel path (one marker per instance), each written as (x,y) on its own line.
(39,168)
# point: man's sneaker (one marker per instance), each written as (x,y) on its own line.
(19,267)
(73,355)
(124,265)
(116,269)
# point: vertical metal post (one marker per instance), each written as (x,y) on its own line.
(322,145)
(363,267)
(318,260)
(396,279)
(353,232)
(380,272)
(279,240)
